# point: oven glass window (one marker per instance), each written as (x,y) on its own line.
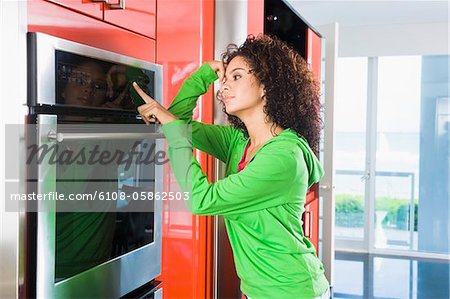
(121,217)
(87,82)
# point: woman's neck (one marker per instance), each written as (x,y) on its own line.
(261,131)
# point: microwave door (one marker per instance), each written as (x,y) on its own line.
(83,253)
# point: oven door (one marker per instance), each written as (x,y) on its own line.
(104,247)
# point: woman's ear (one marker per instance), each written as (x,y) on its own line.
(263,92)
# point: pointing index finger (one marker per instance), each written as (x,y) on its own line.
(143,95)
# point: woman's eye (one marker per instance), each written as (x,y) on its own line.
(100,85)
(236,77)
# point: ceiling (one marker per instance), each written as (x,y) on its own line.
(365,13)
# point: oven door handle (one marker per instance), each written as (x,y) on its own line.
(54,136)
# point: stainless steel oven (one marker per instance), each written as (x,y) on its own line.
(98,233)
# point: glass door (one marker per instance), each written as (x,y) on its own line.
(392,155)
(412,156)
(394,177)
(397,152)
(350,153)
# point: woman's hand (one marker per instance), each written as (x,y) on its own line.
(152,110)
(218,67)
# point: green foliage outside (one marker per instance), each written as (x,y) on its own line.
(350,211)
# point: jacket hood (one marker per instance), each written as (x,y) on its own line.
(315,169)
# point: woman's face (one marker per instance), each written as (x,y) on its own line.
(241,91)
(87,88)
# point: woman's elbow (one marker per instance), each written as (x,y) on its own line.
(196,208)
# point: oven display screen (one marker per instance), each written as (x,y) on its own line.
(92,83)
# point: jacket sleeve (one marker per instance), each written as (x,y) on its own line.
(261,184)
(212,139)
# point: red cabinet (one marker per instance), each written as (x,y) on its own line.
(185,40)
(311,215)
(46,17)
(135,15)
(88,7)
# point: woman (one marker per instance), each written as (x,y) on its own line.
(272,102)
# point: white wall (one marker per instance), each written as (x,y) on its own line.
(12,99)
(230,27)
(394,40)
(330,33)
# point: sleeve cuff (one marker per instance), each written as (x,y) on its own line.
(207,73)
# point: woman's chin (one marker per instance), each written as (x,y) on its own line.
(233,110)
(230,111)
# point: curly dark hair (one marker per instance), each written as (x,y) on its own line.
(292,94)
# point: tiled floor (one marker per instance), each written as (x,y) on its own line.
(369,276)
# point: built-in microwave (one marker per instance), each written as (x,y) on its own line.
(81,103)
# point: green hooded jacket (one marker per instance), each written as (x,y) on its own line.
(262,204)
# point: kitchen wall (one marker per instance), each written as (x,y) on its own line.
(12,100)
(394,39)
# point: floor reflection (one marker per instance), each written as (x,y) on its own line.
(360,275)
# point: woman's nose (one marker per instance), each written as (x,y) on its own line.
(224,86)
(223,90)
